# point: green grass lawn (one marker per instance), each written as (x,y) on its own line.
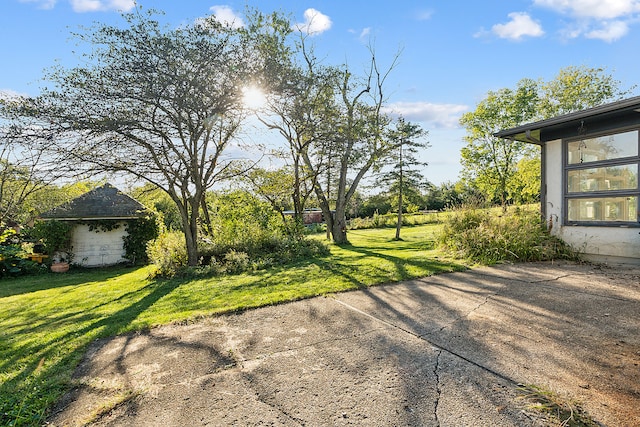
(46,322)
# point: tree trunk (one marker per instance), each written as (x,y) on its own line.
(191,237)
(192,246)
(329,228)
(190,229)
(207,218)
(339,229)
(189,225)
(399,224)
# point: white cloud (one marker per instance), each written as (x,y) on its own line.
(123,5)
(364,34)
(437,115)
(42,4)
(314,23)
(102,5)
(88,5)
(607,20)
(574,30)
(227,16)
(521,25)
(596,9)
(609,32)
(9,94)
(425,15)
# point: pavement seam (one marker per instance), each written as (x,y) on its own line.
(431,343)
(240,361)
(593,294)
(541,283)
(497,276)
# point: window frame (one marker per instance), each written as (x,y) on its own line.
(599,194)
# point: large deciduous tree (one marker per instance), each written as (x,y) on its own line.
(24,174)
(334,124)
(161,104)
(301,109)
(491,164)
(488,161)
(577,88)
(355,145)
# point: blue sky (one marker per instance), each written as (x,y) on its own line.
(453,51)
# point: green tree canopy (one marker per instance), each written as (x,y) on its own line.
(488,161)
(577,88)
(160,104)
(491,164)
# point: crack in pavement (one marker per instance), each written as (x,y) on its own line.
(438,389)
(265,400)
(469,313)
(581,292)
(431,343)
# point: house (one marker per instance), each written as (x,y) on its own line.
(590,193)
(100,217)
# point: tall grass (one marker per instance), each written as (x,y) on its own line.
(488,236)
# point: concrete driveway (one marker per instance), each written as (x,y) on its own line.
(446,350)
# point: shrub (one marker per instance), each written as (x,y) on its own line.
(168,252)
(291,249)
(139,232)
(315,228)
(13,262)
(236,262)
(487,236)
(248,233)
(55,235)
(245,234)
(264,251)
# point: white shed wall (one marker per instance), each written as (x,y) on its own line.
(616,244)
(96,249)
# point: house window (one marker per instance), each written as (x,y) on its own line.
(601,180)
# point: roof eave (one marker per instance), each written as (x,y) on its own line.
(115,218)
(519,133)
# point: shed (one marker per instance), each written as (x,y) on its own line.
(309,216)
(92,244)
(590,193)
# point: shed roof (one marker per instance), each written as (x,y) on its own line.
(105,202)
(603,118)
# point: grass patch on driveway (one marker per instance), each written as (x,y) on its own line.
(46,322)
